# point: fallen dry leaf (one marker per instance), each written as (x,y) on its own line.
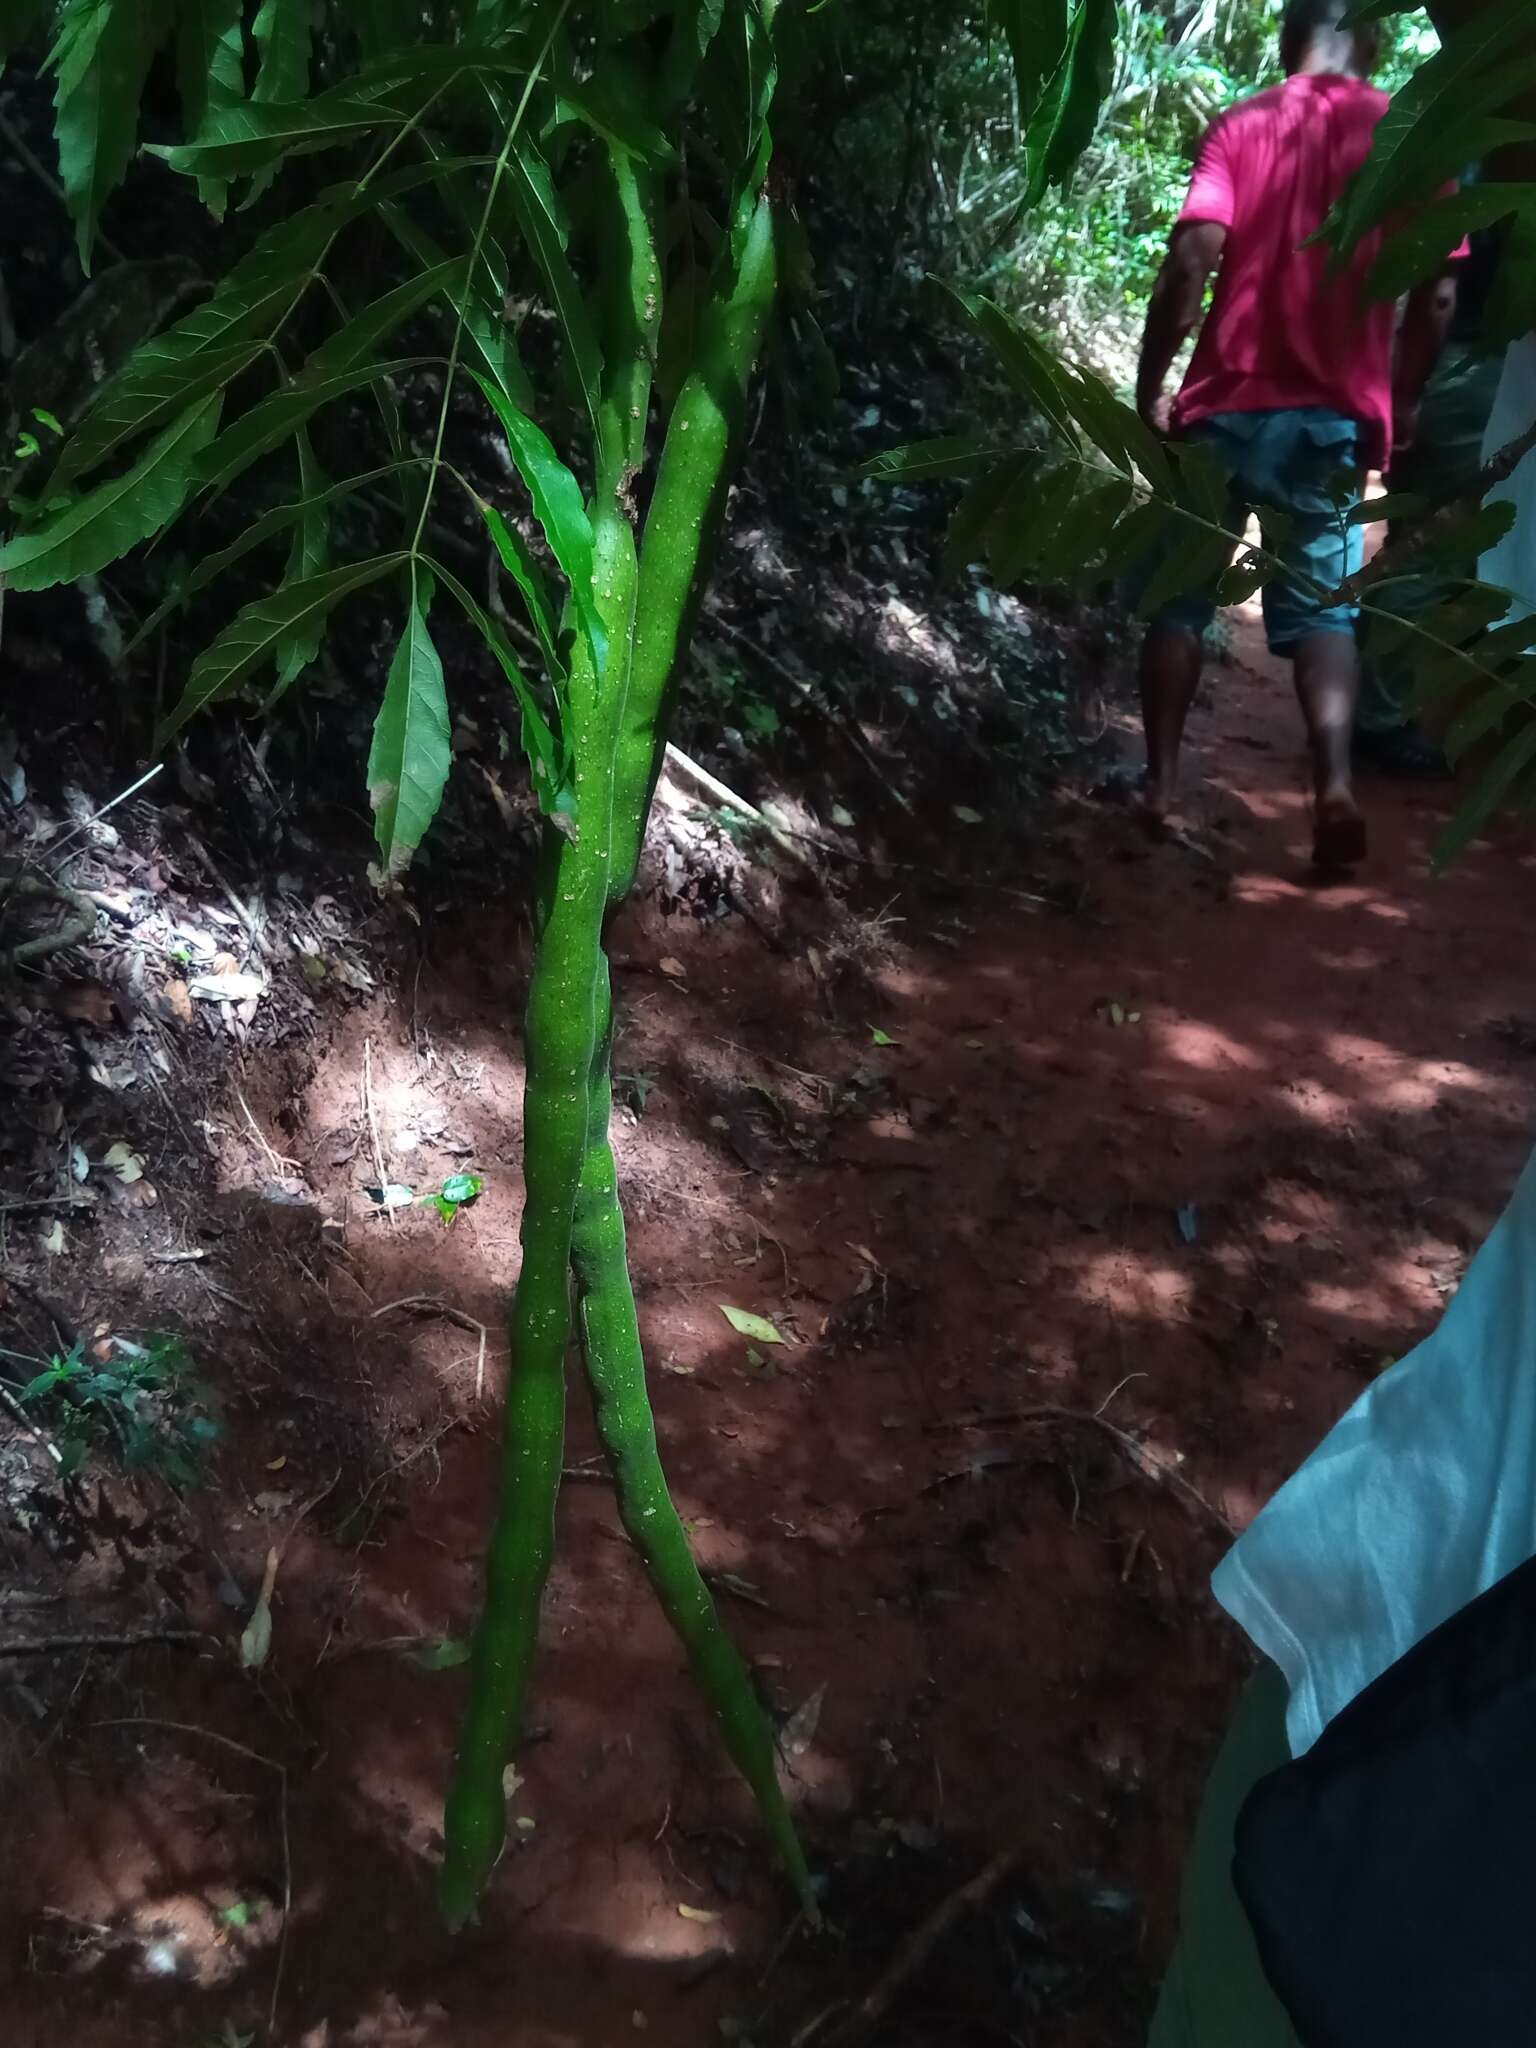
(698,1913)
(176,1001)
(674,969)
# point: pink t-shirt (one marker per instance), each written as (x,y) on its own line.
(1281,330)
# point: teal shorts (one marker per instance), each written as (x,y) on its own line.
(1289,461)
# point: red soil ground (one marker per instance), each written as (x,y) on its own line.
(1166,1136)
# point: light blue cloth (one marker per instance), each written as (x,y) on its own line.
(1422,1497)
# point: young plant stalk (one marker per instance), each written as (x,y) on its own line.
(574,1224)
(684,509)
(561,1044)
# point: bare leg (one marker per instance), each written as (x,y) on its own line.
(1170,674)
(1328,682)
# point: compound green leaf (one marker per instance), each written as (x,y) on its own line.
(253,637)
(412,747)
(95,529)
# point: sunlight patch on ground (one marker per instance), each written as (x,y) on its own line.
(1194,1043)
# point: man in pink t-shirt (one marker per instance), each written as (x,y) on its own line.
(1295,378)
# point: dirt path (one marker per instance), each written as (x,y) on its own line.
(1166,1138)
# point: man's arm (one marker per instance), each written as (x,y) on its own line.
(1174,312)
(1425,328)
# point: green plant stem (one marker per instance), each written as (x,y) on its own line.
(684,516)
(561,1044)
(708,408)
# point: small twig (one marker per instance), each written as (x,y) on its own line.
(1135,1452)
(128,1639)
(437,1306)
(914,1953)
(177,1258)
(253,928)
(373,1125)
(713,786)
(276,1160)
(29,1428)
(33,1205)
(254,1756)
(122,797)
(26,952)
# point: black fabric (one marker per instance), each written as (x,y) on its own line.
(1390,1873)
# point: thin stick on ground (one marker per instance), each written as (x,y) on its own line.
(29,1428)
(371,1113)
(125,1639)
(446,1309)
(1135,1452)
(268,1763)
(912,1957)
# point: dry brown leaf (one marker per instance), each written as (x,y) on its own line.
(176,1001)
(674,969)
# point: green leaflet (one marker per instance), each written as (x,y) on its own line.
(606,114)
(695,24)
(559,508)
(919,461)
(740,72)
(1037,39)
(101,65)
(338,366)
(248,137)
(271,523)
(1061,121)
(365,330)
(210,70)
(1032,368)
(164,377)
(529,578)
(478,305)
(267,425)
(308,557)
(94,530)
(282,32)
(1475,811)
(1418,249)
(1434,125)
(541,220)
(412,749)
(256,632)
(548,759)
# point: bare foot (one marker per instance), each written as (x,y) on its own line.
(1155,808)
(1340,836)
